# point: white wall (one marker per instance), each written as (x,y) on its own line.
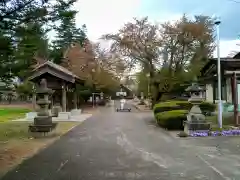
(209,93)
(229,90)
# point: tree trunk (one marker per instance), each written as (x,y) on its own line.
(156,95)
(153,87)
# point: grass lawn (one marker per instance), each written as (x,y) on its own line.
(226,122)
(16,144)
(7,114)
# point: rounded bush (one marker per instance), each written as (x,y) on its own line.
(171,105)
(165,107)
(207,107)
(171,119)
(171,114)
(186,105)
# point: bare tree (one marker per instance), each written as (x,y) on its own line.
(138,43)
(110,61)
(188,44)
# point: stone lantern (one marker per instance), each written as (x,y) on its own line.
(43,121)
(196,93)
(196,121)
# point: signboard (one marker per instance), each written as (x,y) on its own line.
(121,94)
(101,95)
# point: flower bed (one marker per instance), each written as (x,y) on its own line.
(215,133)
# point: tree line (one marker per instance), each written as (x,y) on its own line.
(170,53)
(25,26)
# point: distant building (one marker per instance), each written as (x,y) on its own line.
(209,78)
(6,91)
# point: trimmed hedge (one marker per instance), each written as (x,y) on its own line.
(171,105)
(171,114)
(206,107)
(186,105)
(171,119)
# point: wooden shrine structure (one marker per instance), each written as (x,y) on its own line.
(62,81)
(230,81)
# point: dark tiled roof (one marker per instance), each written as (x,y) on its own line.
(56,66)
(225,62)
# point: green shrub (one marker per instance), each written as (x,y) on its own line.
(171,105)
(165,106)
(207,107)
(171,119)
(186,105)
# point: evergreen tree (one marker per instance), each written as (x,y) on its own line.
(22,34)
(67,33)
(31,42)
(6,56)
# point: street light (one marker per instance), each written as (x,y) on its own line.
(217,23)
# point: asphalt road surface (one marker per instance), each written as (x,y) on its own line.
(123,145)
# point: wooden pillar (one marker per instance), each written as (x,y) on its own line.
(75,98)
(34,98)
(64,98)
(214,91)
(235,98)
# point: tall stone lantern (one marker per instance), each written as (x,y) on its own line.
(196,121)
(43,121)
(196,93)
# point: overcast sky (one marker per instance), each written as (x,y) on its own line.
(107,16)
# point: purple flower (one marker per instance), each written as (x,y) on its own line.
(215,133)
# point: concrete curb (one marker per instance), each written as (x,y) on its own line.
(73,119)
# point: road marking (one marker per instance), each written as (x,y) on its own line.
(62,165)
(129,147)
(214,168)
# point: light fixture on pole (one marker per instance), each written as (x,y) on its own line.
(217,23)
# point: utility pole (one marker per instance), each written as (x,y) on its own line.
(217,23)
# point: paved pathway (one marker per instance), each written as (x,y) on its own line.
(123,145)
